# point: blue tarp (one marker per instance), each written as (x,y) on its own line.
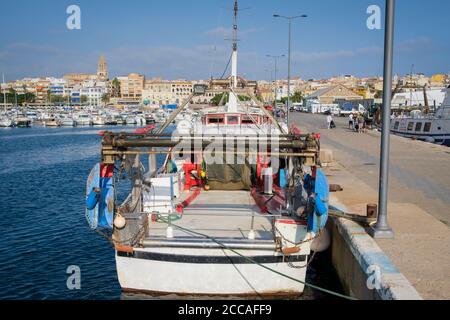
(348,107)
(169,106)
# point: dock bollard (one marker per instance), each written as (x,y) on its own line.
(372,211)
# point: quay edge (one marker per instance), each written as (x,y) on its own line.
(353,253)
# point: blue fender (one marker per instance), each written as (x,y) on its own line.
(318,196)
(93,182)
(92,199)
(99,200)
(106,204)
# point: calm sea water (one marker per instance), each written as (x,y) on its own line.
(43,174)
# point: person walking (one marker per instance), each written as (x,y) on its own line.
(329,121)
(360,124)
(350,122)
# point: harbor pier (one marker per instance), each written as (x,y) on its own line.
(418,210)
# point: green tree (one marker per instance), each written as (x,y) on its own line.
(105,98)
(244,98)
(217,98)
(297,97)
(115,88)
(379,94)
(55,98)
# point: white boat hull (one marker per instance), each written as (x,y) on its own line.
(84,122)
(68,123)
(6,123)
(185,272)
(430,130)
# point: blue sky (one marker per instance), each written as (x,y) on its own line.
(185,39)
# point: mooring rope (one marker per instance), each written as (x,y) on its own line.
(259,264)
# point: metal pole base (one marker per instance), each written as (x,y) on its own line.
(381,233)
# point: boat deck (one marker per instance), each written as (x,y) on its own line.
(219,214)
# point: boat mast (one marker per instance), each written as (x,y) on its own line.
(232,104)
(4,92)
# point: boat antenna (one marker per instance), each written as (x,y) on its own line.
(234,81)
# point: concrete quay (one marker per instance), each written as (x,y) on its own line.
(419,210)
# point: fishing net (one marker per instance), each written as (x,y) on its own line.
(229,177)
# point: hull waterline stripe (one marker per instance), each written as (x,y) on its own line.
(264,266)
(444,136)
(208,259)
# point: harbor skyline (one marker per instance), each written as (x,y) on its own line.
(192,44)
(240,151)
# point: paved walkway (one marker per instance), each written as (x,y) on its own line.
(419,197)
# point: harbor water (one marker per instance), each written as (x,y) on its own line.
(43,174)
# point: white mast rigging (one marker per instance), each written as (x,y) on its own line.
(232,103)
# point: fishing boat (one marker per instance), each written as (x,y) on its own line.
(433,128)
(233,209)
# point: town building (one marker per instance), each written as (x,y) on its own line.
(78,78)
(131,87)
(157,92)
(102,69)
(330,94)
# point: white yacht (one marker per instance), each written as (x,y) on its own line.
(98,120)
(84,119)
(131,120)
(6,122)
(68,122)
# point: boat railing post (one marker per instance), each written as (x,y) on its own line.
(382,230)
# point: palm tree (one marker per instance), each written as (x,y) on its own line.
(115,88)
(105,98)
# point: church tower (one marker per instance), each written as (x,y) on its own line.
(102,70)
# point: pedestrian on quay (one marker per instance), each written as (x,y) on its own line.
(360,120)
(351,124)
(329,121)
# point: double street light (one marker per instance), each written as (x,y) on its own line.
(289,59)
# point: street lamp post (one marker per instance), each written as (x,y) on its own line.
(289,60)
(275,58)
(381,230)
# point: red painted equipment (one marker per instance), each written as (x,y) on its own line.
(188,201)
(192,182)
(295,130)
(145,130)
(106,171)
